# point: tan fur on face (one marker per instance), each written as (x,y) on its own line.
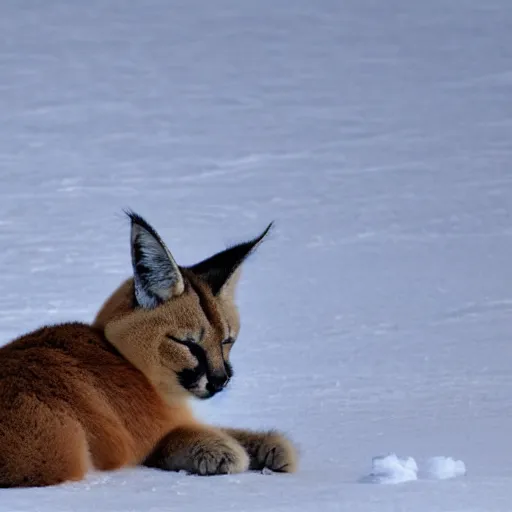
(142,336)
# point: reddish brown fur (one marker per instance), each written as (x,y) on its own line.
(69,400)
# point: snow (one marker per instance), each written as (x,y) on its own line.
(443,468)
(377,318)
(391,469)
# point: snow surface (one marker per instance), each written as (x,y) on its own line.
(378,316)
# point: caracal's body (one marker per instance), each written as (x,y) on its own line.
(75,397)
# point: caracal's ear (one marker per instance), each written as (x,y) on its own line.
(156,275)
(222,270)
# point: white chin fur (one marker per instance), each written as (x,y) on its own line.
(199,389)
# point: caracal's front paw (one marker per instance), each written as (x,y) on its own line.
(275,452)
(219,457)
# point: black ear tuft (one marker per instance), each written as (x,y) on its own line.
(155,273)
(219,268)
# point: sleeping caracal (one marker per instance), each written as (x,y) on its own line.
(75,397)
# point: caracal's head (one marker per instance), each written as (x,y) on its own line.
(176,324)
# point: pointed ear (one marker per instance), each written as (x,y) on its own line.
(156,275)
(222,270)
